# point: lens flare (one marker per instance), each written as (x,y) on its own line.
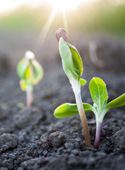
(64,4)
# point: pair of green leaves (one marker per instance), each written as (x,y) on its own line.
(29,71)
(100,106)
(72,65)
(71,61)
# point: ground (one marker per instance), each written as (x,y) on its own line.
(33,139)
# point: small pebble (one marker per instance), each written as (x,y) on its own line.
(57,138)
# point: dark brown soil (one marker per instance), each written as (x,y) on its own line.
(33,139)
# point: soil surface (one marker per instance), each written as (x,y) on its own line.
(33,139)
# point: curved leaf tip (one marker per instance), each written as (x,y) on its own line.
(62,33)
(118,102)
(83,82)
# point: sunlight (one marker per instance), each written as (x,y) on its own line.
(67,4)
(58,5)
(64,4)
(65,20)
(45,30)
(8,5)
(48,24)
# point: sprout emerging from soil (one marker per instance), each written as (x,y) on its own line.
(30,73)
(100,107)
(73,68)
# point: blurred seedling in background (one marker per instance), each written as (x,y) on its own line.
(100,106)
(73,68)
(30,73)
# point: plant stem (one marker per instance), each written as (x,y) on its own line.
(29,97)
(98,134)
(82,116)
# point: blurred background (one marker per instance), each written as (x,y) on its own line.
(96,26)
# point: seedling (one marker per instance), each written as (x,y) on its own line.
(30,73)
(73,68)
(100,107)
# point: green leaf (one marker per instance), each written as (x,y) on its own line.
(77,61)
(28,74)
(30,71)
(21,68)
(68,109)
(99,94)
(83,82)
(38,72)
(71,60)
(118,102)
(88,108)
(23,85)
(67,61)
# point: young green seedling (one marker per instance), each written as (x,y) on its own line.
(73,68)
(30,73)
(100,107)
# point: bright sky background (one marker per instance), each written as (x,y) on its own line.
(7,5)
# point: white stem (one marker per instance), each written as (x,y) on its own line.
(98,134)
(29,97)
(78,98)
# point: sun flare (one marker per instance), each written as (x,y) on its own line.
(64,4)
(8,5)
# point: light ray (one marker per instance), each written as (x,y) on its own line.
(48,24)
(45,30)
(64,4)
(65,20)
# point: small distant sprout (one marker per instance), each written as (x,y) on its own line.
(73,68)
(30,73)
(100,107)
